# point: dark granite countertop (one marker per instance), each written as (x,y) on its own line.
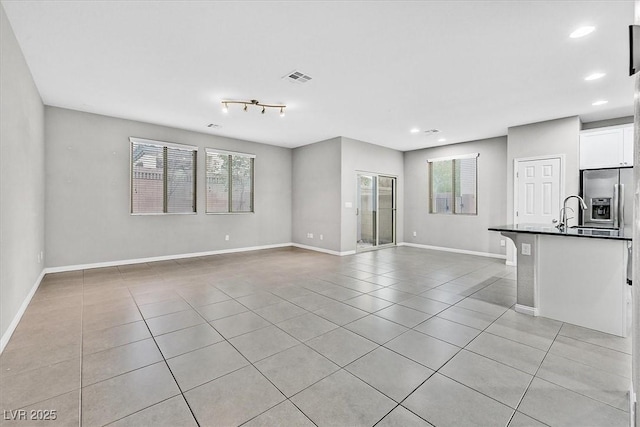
(597,233)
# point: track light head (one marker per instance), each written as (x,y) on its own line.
(263,109)
(281,111)
(225,108)
(245,108)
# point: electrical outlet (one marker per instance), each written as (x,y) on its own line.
(503,242)
(226,237)
(311,235)
(321,237)
(526,249)
(415,233)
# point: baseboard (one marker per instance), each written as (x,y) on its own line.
(161,258)
(326,251)
(511,263)
(16,319)
(525,309)
(459,251)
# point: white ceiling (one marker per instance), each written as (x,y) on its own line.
(468,68)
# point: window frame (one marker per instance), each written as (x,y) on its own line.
(164,145)
(451,160)
(230,211)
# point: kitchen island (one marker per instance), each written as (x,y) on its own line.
(575,275)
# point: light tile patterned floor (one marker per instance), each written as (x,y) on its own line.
(288,337)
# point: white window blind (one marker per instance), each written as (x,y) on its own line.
(453,188)
(229,181)
(162,177)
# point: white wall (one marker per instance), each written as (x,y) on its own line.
(462,232)
(358,156)
(316,194)
(22,208)
(87,195)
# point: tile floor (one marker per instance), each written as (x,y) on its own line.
(288,337)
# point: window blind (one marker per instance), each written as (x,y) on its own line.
(162,177)
(229,181)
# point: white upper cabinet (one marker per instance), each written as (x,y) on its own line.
(610,147)
(627,146)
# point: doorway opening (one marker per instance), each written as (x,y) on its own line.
(376,211)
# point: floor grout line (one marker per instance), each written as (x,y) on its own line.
(132,279)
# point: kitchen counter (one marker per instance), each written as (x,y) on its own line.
(593,233)
(572,276)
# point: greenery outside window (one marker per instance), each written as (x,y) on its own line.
(163,177)
(454,188)
(229,181)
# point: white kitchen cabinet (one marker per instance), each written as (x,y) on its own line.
(610,147)
(627,146)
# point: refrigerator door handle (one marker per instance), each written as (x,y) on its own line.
(616,206)
(621,205)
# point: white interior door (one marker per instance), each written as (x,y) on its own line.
(538,191)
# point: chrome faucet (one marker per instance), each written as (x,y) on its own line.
(563,212)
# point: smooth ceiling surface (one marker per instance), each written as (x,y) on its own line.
(468,68)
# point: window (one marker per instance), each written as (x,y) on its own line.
(229,182)
(163,177)
(454,185)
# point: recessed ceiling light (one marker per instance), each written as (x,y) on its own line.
(415,130)
(601,102)
(442,139)
(581,32)
(595,76)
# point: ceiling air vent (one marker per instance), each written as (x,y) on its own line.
(297,77)
(431,131)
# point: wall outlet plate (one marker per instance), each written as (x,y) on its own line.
(526,249)
(503,242)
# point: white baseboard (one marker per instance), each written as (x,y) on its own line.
(511,263)
(326,251)
(525,309)
(459,251)
(161,258)
(16,319)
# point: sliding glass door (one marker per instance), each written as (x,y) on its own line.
(376,211)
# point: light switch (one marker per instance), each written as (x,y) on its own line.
(526,249)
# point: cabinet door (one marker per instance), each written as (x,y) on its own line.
(601,149)
(627,147)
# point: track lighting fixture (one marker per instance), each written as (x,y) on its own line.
(226,102)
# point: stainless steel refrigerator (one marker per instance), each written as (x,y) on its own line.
(608,194)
